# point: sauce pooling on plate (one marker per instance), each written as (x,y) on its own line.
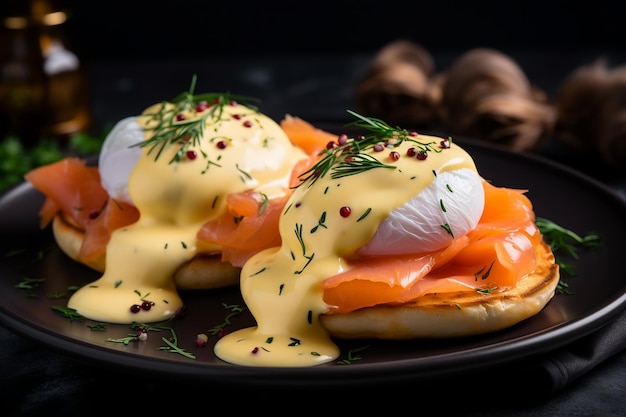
(333,213)
(194,154)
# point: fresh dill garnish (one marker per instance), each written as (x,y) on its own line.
(235,310)
(484,272)
(69,313)
(365,214)
(353,355)
(350,157)
(56,295)
(14,252)
(562,239)
(141,330)
(98,327)
(298,232)
(263,204)
(166,126)
(30,283)
(357,163)
(486,290)
(320,223)
(448,229)
(309,258)
(294,342)
(172,346)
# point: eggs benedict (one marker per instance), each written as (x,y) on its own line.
(391,235)
(162,177)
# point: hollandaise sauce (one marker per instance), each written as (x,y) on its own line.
(333,212)
(193,155)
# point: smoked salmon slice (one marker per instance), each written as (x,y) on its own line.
(247,226)
(115,215)
(305,135)
(382,280)
(70,186)
(493,256)
(74,189)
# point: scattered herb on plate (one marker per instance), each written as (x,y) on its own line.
(562,240)
(353,355)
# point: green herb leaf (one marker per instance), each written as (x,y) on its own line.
(566,240)
(349,157)
(69,313)
(235,310)
(166,129)
(561,239)
(353,355)
(16,159)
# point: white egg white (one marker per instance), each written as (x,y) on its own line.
(454,198)
(119,156)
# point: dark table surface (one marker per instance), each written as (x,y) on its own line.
(36,379)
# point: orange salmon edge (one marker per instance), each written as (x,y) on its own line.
(305,135)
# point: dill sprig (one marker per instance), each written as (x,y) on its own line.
(563,239)
(357,164)
(168,128)
(349,156)
(69,313)
(353,355)
(235,310)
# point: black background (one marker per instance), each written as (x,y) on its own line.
(197,28)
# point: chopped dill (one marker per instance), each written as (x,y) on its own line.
(353,355)
(167,128)
(69,313)
(235,310)
(349,157)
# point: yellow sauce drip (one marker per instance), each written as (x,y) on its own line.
(174,200)
(282,286)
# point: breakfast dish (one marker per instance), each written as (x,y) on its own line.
(385,234)
(596,295)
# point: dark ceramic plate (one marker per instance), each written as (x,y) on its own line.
(576,202)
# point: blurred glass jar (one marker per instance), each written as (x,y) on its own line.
(43,85)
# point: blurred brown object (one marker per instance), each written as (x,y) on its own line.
(43,85)
(400,86)
(591,105)
(486,96)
